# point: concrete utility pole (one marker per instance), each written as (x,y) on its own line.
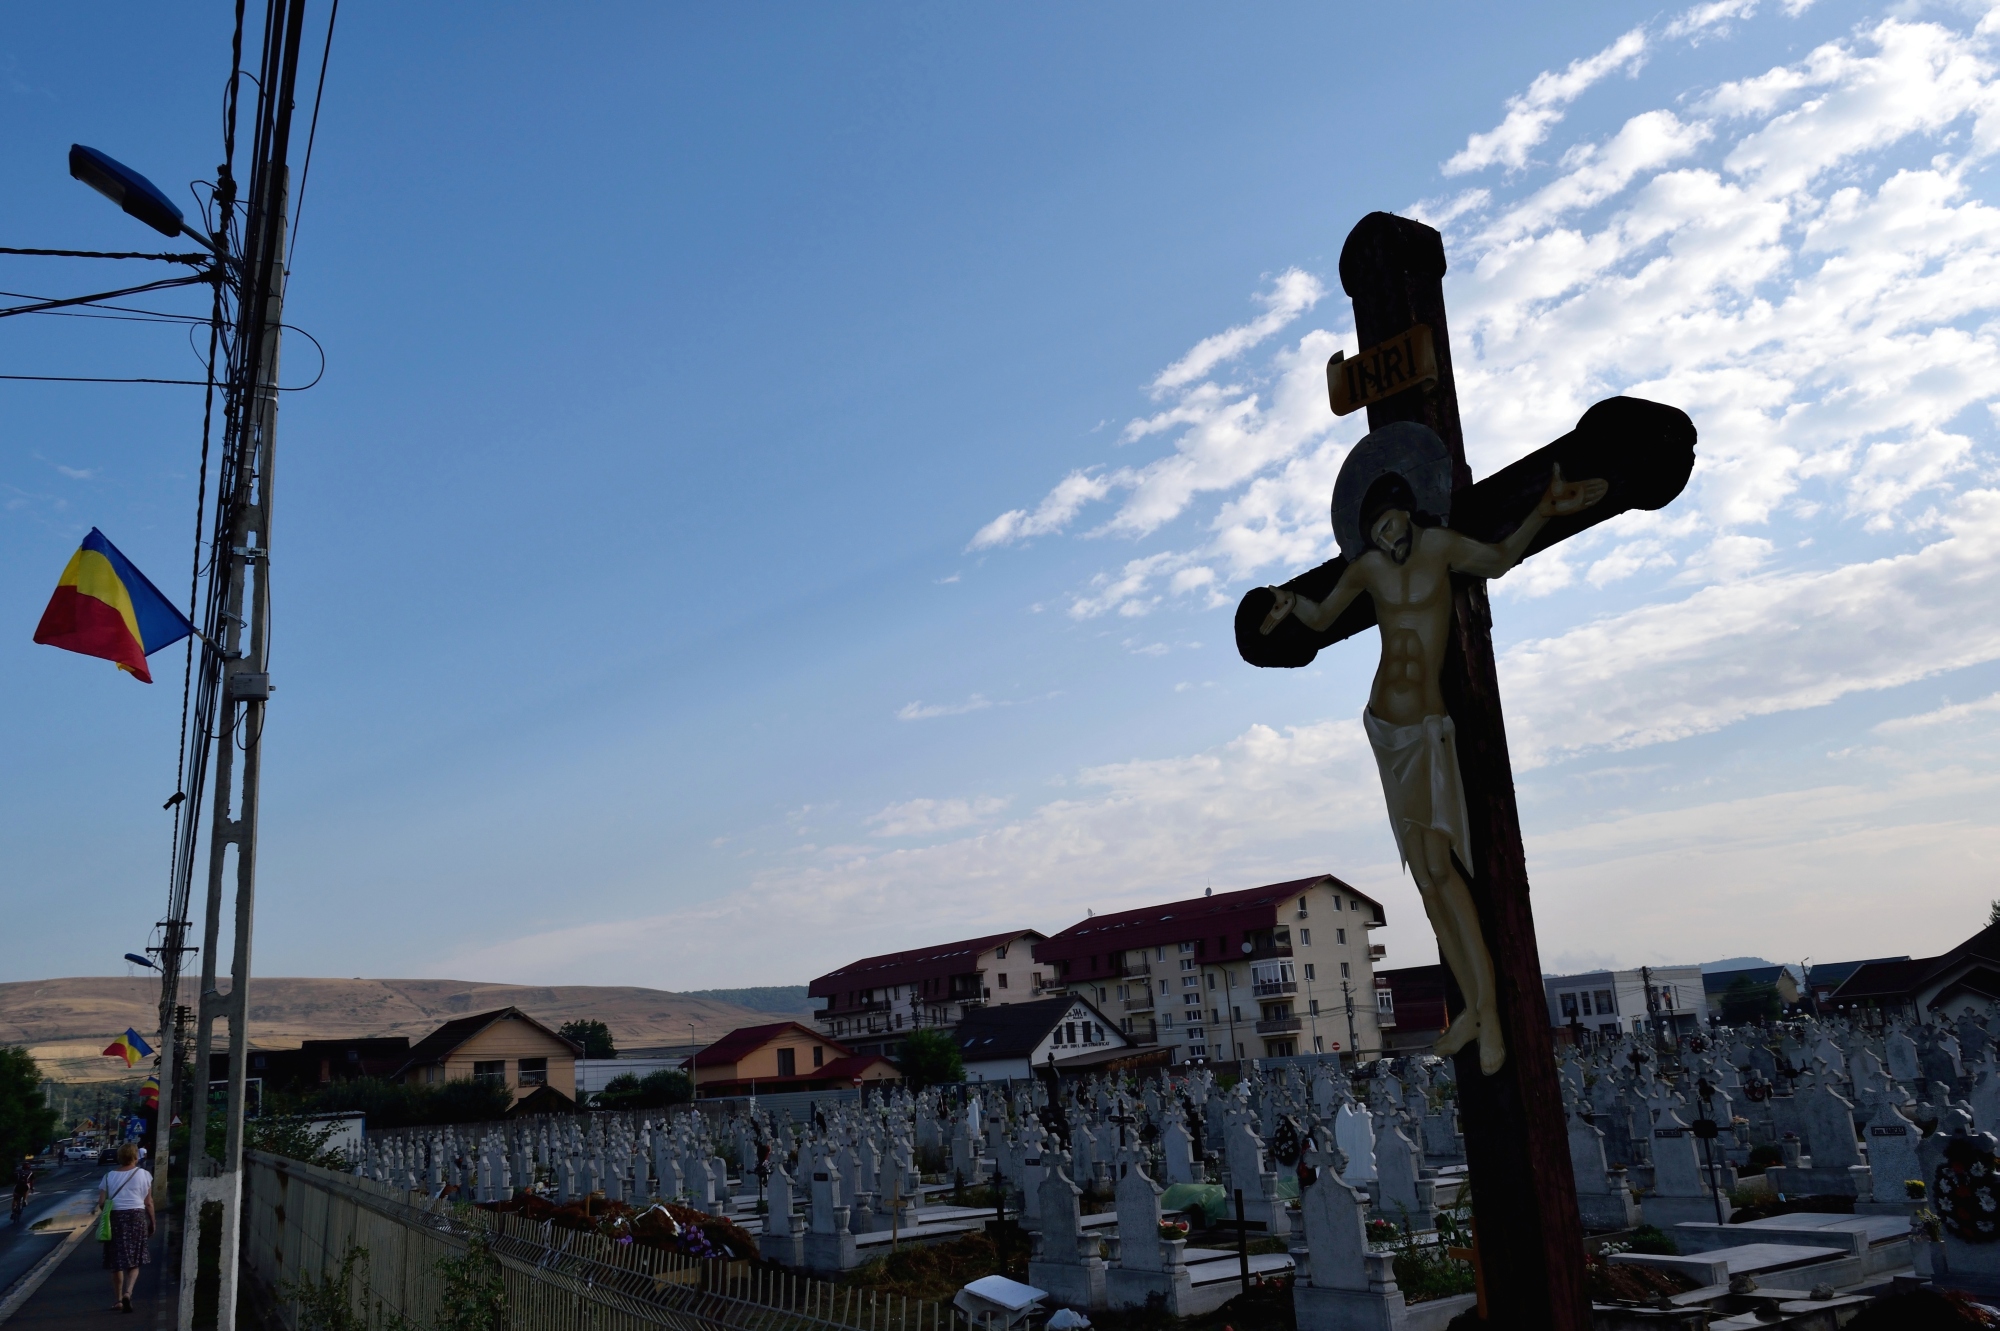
(243,557)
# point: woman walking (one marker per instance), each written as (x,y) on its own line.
(129,1190)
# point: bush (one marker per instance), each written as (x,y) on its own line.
(931,1058)
(395,1104)
(1652,1239)
(655,1090)
(26,1121)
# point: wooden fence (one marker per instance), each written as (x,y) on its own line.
(300,1222)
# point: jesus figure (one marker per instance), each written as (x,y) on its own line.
(1406,569)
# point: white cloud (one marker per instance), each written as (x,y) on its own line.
(927,817)
(1056,511)
(1763,644)
(1294,292)
(1949,715)
(1530,115)
(925,711)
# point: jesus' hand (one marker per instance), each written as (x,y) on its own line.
(1560,500)
(1280,607)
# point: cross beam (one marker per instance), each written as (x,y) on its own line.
(1516,1138)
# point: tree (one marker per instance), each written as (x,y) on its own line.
(929,1058)
(26,1121)
(656,1090)
(1745,1002)
(1993,913)
(594,1036)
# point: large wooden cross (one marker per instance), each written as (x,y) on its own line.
(1516,1139)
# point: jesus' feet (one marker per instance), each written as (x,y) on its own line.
(1459,1034)
(1492,1050)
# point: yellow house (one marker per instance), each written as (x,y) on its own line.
(783,1056)
(503,1048)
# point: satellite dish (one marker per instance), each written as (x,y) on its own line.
(1247,947)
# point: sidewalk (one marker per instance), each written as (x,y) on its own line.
(78,1294)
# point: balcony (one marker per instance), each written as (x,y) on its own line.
(1273,988)
(1268,948)
(1139,968)
(1279,1026)
(1140,1002)
(859,1009)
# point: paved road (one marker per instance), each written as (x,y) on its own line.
(20,1246)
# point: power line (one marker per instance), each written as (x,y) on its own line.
(312,133)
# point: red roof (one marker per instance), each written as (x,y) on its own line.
(842,1072)
(913,966)
(1251,910)
(745,1040)
(1419,997)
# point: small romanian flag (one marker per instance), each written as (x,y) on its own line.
(149,1091)
(103,606)
(129,1047)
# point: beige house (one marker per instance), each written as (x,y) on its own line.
(783,1056)
(504,1048)
(1269,972)
(871,1004)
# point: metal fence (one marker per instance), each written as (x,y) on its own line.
(300,1222)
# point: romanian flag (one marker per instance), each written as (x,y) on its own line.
(129,1047)
(149,1091)
(103,606)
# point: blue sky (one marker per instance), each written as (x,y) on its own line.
(782,474)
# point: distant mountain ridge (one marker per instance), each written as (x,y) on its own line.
(66,1023)
(787,1000)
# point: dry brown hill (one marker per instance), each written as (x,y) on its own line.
(65,1023)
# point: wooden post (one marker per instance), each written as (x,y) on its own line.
(1242,1242)
(1516,1142)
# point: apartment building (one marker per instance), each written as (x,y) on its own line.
(1266,972)
(871,1004)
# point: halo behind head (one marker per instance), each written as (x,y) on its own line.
(1400,448)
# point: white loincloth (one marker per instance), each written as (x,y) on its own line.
(1420,768)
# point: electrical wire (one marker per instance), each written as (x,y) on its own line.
(39,306)
(109,254)
(305,172)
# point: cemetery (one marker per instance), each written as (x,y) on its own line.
(1790,1175)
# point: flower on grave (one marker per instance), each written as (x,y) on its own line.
(1913,1188)
(1173,1229)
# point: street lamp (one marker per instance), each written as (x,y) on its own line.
(138,960)
(131,191)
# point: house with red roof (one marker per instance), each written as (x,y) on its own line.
(783,1056)
(871,1004)
(1267,972)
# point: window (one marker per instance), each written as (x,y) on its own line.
(1163,986)
(1568,1002)
(1340,935)
(534,1072)
(1069,1032)
(1584,999)
(1190,982)
(1126,1025)
(1186,948)
(1100,1031)
(1197,1051)
(1309,972)
(1302,908)
(788,1062)
(1003,976)
(1315,1007)
(819,1055)
(1236,1014)
(1038,979)
(490,1074)
(1305,938)
(1166,1021)
(1188,963)
(1604,1004)
(1000,954)
(1160,953)
(1191,1000)
(1211,981)
(1385,1002)
(1343,971)
(1100,994)
(1336,901)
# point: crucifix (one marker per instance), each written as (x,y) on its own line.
(1418,541)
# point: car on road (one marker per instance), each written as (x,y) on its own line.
(80,1153)
(108,1156)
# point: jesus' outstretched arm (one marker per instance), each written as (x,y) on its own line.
(1559,500)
